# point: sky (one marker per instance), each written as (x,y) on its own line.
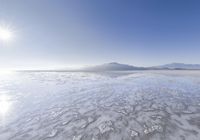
(70,33)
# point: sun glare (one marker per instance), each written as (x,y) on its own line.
(5,34)
(6,72)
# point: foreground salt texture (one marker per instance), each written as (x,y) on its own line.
(143,105)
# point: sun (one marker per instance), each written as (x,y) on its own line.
(5,34)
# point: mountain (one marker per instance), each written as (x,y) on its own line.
(114,66)
(179,66)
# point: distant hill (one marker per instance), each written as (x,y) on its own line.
(179,66)
(114,66)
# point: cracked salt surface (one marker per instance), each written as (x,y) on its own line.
(140,105)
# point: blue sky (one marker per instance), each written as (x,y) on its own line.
(64,33)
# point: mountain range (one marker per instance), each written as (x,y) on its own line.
(114,66)
(180,66)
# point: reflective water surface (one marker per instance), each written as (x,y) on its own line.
(5,104)
(139,105)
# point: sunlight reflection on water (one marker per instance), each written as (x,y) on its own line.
(5,105)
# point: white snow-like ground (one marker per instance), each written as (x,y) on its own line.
(140,105)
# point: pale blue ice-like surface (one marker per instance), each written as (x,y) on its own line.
(146,105)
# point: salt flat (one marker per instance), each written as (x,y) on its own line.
(137,105)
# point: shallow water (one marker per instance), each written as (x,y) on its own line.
(140,105)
